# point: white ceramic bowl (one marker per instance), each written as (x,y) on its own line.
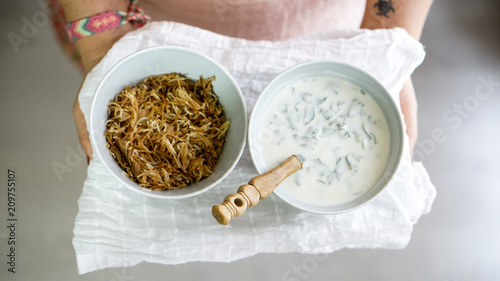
(160,60)
(353,75)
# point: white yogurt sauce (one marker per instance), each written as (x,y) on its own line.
(338,128)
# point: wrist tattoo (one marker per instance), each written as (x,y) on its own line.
(384,7)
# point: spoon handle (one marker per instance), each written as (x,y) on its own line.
(258,188)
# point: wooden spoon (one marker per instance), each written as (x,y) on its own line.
(258,188)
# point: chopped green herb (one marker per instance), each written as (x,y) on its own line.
(366,132)
(349,164)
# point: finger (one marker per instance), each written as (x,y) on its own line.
(409,109)
(82,131)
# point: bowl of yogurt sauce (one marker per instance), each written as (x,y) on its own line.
(342,121)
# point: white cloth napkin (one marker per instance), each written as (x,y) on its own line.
(116,227)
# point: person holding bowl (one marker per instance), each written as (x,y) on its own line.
(94,26)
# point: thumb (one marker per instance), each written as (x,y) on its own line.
(409,108)
(81,127)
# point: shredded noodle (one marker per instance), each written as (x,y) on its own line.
(167,132)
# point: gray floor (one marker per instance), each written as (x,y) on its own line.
(459,132)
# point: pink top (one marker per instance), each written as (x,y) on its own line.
(260,19)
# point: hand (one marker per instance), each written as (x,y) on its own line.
(411,16)
(90,59)
(91,55)
(409,106)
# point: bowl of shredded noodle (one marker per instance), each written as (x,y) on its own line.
(168,122)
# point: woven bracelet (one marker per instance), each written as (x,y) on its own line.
(107,20)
